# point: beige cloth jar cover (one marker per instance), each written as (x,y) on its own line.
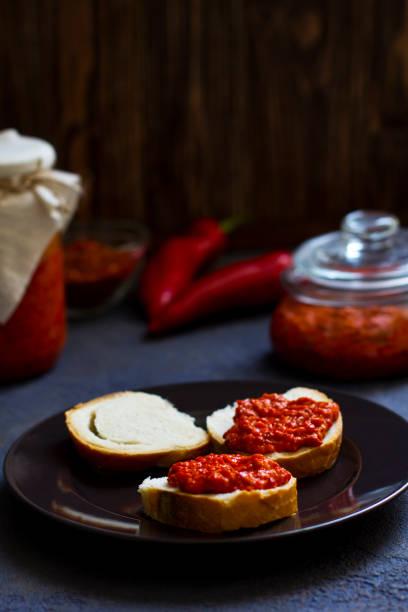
(36,202)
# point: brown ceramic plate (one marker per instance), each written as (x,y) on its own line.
(43,469)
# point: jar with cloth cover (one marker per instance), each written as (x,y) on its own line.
(37,203)
(345,313)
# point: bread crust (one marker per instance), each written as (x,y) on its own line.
(215,513)
(122,459)
(307,460)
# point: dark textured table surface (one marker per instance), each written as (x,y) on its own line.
(361,564)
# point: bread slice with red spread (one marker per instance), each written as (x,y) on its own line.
(129,431)
(306,460)
(217,512)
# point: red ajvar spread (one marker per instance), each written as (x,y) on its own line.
(272,423)
(342,342)
(33,337)
(226,473)
(94,270)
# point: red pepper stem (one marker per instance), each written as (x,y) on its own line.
(230,224)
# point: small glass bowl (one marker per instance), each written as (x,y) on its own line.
(102,260)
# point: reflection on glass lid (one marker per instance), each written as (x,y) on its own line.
(365,262)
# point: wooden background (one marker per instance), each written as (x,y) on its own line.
(290,112)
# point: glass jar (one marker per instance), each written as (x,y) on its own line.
(33,337)
(345,312)
(36,204)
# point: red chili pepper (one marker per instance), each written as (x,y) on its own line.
(254,281)
(171,268)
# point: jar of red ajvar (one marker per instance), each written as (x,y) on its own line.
(36,204)
(345,312)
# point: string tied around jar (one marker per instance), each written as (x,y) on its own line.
(54,189)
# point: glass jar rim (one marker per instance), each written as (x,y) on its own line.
(304,290)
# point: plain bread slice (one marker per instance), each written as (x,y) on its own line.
(133,430)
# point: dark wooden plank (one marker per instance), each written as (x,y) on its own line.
(291,113)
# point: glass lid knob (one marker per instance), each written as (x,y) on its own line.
(373,229)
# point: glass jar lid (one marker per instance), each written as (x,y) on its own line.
(366,262)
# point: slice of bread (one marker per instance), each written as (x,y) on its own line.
(307,460)
(133,431)
(217,512)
